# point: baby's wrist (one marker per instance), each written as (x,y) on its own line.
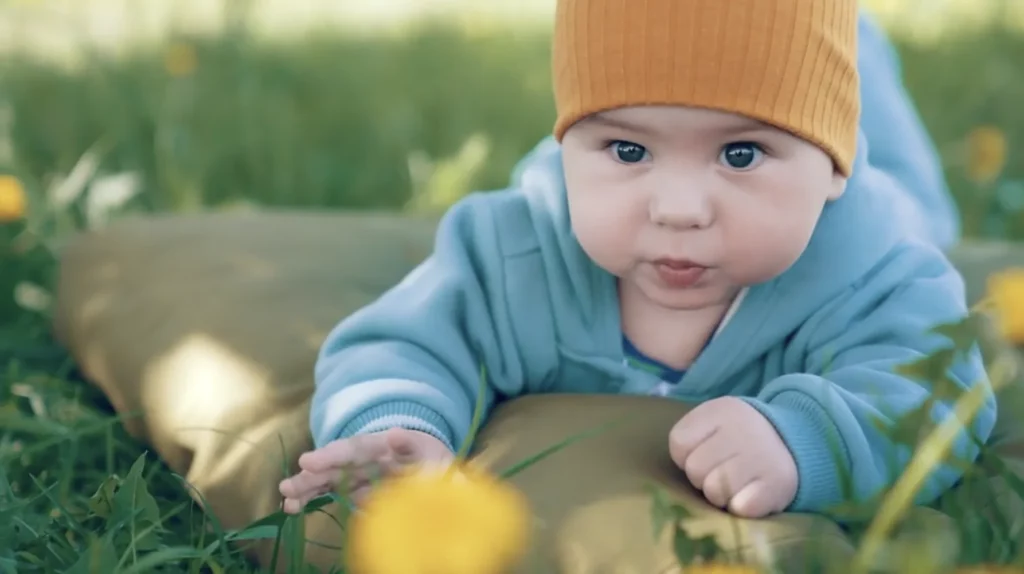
(400,414)
(813,441)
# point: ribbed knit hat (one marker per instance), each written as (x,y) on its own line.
(789,63)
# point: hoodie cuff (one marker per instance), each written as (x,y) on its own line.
(401,414)
(816,445)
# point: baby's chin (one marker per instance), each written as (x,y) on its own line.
(702,298)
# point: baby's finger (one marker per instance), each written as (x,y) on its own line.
(304,482)
(727,479)
(355,451)
(689,434)
(755,500)
(331,457)
(716,487)
(295,504)
(709,455)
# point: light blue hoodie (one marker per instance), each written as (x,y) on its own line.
(509,290)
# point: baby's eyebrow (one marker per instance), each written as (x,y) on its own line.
(741,125)
(728,128)
(614,122)
(752,127)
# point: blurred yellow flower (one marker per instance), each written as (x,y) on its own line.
(986,154)
(1006,295)
(180,60)
(457,521)
(12,199)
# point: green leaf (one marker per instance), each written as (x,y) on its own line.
(264,532)
(665,512)
(275,519)
(929,368)
(269,526)
(323,500)
(661,510)
(294,531)
(98,557)
(947,390)
(101,503)
(912,426)
(134,507)
(689,550)
(133,493)
(963,333)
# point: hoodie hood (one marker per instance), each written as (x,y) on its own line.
(853,235)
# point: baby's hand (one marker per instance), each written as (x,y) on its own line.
(734,455)
(361,458)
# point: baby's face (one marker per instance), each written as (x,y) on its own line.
(690,205)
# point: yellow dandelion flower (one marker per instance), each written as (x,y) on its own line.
(180,60)
(1006,295)
(461,521)
(986,154)
(13,202)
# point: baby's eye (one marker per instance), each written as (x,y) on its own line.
(741,155)
(628,152)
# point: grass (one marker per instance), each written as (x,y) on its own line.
(324,123)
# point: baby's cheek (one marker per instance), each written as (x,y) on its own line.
(764,260)
(600,245)
(603,233)
(768,247)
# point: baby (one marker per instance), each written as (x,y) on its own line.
(707,228)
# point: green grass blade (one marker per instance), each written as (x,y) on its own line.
(478,416)
(569,441)
(163,557)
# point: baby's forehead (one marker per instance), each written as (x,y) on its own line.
(656,119)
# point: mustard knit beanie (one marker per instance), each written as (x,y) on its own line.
(789,63)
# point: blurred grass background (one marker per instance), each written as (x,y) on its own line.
(352,115)
(177,105)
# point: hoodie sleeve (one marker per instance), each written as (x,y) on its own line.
(414,357)
(836,415)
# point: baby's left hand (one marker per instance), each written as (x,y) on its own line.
(734,455)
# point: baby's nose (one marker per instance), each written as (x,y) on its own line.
(682,209)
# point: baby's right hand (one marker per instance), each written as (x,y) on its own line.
(360,459)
